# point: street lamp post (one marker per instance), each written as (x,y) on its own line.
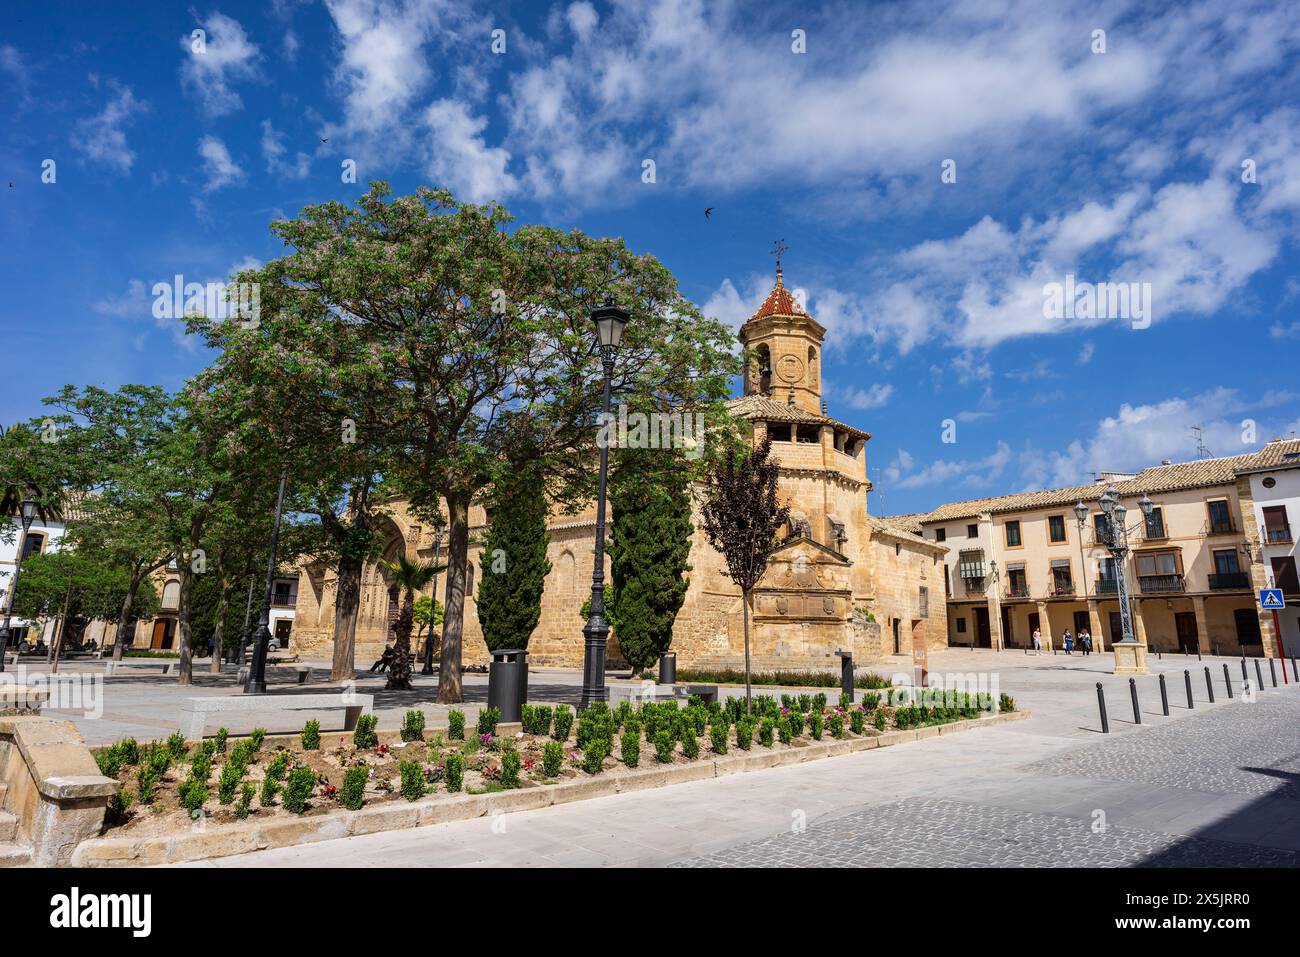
(1130,655)
(610,322)
(262,638)
(27,515)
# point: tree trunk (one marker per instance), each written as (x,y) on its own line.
(222,607)
(121,640)
(399,673)
(185,672)
(347,605)
(60,630)
(453,620)
(744,600)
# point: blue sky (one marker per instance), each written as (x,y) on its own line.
(1120,166)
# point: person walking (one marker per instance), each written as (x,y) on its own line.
(1069,642)
(1085,642)
(1038,642)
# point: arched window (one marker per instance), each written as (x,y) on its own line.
(564,574)
(32,544)
(469,579)
(171,596)
(764,370)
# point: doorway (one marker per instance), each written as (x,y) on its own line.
(983,636)
(282,628)
(1185,625)
(1248,634)
(898,650)
(1008,633)
(164,632)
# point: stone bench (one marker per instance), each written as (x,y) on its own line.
(639,692)
(707,693)
(196,711)
(112,667)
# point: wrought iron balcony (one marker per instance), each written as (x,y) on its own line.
(1278,535)
(1224,526)
(1107,586)
(1225,580)
(1062,591)
(1160,584)
(1017,591)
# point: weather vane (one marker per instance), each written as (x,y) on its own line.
(778,248)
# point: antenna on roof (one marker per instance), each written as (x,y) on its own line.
(1201,451)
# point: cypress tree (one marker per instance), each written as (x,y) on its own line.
(514,561)
(649,548)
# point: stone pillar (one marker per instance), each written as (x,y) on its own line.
(1202,624)
(1045,625)
(995,623)
(1139,624)
(1094,625)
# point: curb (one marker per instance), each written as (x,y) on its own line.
(202,844)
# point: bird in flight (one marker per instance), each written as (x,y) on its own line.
(708,213)
(324,139)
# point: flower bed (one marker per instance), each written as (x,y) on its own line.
(166,787)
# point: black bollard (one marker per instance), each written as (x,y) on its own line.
(1209,685)
(1101,706)
(1244,676)
(1259,675)
(1133,693)
(1159,655)
(1227,678)
(1187,678)
(1164,695)
(1198,652)
(1294,676)
(1272,672)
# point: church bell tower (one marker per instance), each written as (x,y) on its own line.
(785,349)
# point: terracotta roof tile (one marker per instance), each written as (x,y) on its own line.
(779,302)
(1160,478)
(770,410)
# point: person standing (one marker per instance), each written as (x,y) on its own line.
(1038,642)
(1085,641)
(1069,642)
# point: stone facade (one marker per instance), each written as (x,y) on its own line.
(839,580)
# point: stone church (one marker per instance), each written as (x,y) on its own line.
(840,579)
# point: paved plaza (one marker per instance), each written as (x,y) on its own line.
(1215,785)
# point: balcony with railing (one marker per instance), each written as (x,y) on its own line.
(1161,584)
(1015,592)
(1225,581)
(1277,534)
(1062,590)
(1221,526)
(1107,586)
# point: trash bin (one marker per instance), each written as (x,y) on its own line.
(506,677)
(846,672)
(668,668)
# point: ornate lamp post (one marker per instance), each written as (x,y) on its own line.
(27,516)
(262,637)
(1130,655)
(610,322)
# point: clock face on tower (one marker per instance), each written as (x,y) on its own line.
(789,368)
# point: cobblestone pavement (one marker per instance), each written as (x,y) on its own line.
(1250,749)
(1243,749)
(954,834)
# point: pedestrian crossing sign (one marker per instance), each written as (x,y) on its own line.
(1271,598)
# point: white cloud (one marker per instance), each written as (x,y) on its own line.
(218,166)
(582,19)
(226,56)
(460,159)
(871,398)
(274,151)
(902,471)
(102,137)
(134,301)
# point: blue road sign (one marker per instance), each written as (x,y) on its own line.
(1270,598)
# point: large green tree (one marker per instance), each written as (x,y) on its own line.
(451,335)
(649,547)
(411,577)
(77,586)
(514,559)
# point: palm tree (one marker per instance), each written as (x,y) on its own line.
(411,577)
